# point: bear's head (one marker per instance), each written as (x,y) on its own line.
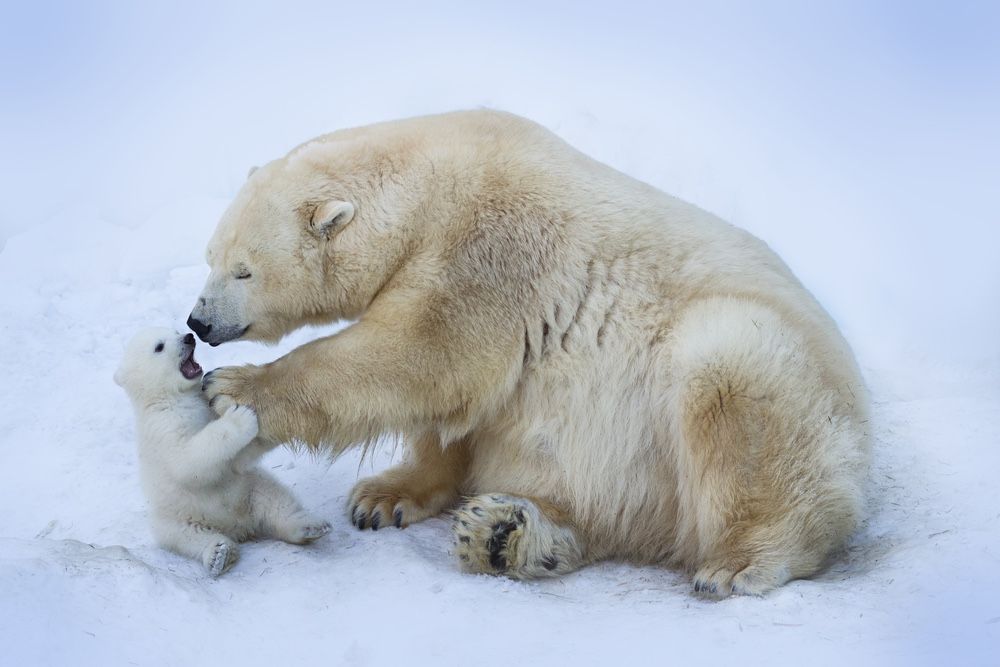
(296,239)
(158,362)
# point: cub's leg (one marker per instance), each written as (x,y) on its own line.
(771,450)
(216,551)
(422,486)
(515,537)
(278,514)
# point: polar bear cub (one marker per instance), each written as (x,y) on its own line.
(200,472)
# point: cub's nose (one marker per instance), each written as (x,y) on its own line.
(199,327)
(189,339)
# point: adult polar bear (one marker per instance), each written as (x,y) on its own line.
(607,371)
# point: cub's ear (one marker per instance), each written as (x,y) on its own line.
(331,216)
(252,170)
(119,377)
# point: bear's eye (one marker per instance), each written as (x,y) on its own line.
(242,275)
(158,348)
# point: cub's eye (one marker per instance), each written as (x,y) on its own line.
(243,274)
(158,348)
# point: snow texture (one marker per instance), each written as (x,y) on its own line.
(859,140)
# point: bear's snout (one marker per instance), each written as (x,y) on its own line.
(199,328)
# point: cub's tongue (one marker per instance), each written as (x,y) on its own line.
(190,368)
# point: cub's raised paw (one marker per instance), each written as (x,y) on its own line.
(243,420)
(220,556)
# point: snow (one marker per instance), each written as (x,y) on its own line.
(845,132)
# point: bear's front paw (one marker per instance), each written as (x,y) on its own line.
(228,386)
(393,500)
(244,422)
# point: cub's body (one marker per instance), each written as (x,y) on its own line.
(199,471)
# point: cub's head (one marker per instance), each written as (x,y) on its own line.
(270,256)
(159,362)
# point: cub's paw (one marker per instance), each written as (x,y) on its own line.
(220,556)
(510,536)
(243,420)
(378,502)
(308,530)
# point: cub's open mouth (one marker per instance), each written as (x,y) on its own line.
(189,367)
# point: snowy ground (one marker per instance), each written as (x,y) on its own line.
(831,135)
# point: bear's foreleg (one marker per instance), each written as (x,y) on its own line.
(370,379)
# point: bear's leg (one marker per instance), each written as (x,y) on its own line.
(278,514)
(216,551)
(515,537)
(422,486)
(768,453)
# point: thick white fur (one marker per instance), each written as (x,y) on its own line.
(200,472)
(624,374)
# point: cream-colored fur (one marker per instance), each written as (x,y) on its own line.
(200,473)
(612,372)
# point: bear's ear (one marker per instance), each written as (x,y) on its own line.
(252,170)
(331,216)
(119,377)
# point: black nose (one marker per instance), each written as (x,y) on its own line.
(189,339)
(199,327)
